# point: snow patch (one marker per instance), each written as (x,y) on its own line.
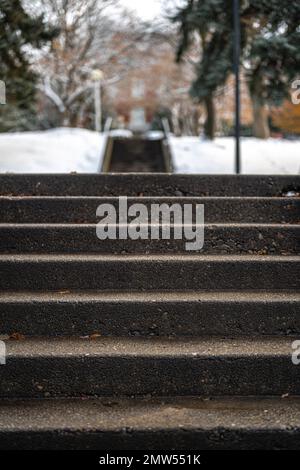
(62,150)
(272,156)
(66,150)
(123,133)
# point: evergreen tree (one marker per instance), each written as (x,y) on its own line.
(273,57)
(202,18)
(19,33)
(270,51)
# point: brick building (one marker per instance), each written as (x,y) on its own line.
(153,84)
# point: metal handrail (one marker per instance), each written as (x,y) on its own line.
(107,147)
(166,145)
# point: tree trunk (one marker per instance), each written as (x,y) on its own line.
(261,128)
(210,122)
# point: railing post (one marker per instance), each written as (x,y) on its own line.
(237,54)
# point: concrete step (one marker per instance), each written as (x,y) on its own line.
(155,272)
(81,210)
(139,424)
(152,314)
(136,155)
(37,368)
(219,239)
(147,184)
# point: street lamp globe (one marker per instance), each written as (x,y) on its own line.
(97,75)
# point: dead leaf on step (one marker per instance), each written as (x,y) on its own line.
(16,337)
(95,336)
(64,292)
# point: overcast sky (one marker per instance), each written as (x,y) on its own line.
(147,9)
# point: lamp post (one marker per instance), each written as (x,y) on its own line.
(97,77)
(237,53)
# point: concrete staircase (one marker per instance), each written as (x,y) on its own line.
(141,345)
(136,155)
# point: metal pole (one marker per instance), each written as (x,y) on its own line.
(98,106)
(237,53)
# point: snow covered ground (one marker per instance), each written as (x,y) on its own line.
(272,156)
(55,151)
(69,150)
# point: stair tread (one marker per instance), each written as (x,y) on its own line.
(69,257)
(137,414)
(150,184)
(142,272)
(148,198)
(155,296)
(145,347)
(73,226)
(76,209)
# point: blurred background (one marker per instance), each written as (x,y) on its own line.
(74,72)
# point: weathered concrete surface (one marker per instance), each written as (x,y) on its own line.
(171,324)
(226,314)
(81,210)
(220,239)
(144,424)
(155,272)
(134,367)
(147,184)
